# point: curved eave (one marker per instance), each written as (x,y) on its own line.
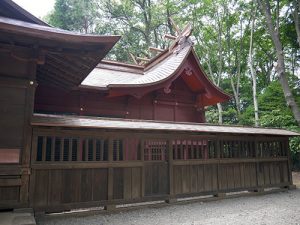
(49,33)
(67,58)
(219,94)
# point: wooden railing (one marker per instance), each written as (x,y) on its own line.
(82,168)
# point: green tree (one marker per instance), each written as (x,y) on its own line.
(75,15)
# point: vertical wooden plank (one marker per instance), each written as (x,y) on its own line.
(185,179)
(55,188)
(266,173)
(257,166)
(127,179)
(155,178)
(86,150)
(177,179)
(110,170)
(40,191)
(194,178)
(289,160)
(163,182)
(200,178)
(52,148)
(61,150)
(117,150)
(44,149)
(247,175)
(79,150)
(253,176)
(70,152)
(208,177)
(237,176)
(230,176)
(102,152)
(148,180)
(100,184)
(71,192)
(272,175)
(136,183)
(218,156)
(285,172)
(94,149)
(242,175)
(214,177)
(34,148)
(170,167)
(27,135)
(142,144)
(277,173)
(181,150)
(86,191)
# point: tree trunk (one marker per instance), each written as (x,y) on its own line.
(296,5)
(219,106)
(220,111)
(253,73)
(265,7)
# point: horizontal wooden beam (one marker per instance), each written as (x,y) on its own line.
(171,37)
(143,59)
(87,165)
(156,49)
(10,182)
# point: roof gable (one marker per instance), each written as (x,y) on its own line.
(125,79)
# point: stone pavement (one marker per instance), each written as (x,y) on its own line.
(17,218)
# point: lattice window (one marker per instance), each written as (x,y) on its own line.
(70,149)
(193,149)
(271,149)
(155,150)
(118,150)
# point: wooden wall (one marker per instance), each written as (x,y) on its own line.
(17,85)
(68,174)
(179,105)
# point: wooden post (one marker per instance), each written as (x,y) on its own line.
(110,176)
(27,134)
(258,187)
(142,168)
(172,197)
(289,162)
(219,194)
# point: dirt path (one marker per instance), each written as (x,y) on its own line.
(278,208)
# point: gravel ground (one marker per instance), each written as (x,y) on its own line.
(277,208)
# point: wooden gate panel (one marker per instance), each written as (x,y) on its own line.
(39,193)
(155,179)
(8,194)
(99,184)
(55,187)
(127,183)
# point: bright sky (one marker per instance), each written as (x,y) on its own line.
(38,8)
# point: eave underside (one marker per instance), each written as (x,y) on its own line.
(64,59)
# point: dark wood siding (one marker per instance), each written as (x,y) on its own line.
(148,166)
(179,105)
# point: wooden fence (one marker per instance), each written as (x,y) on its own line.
(87,168)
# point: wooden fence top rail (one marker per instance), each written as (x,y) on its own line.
(127,124)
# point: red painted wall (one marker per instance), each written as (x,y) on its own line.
(178,105)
